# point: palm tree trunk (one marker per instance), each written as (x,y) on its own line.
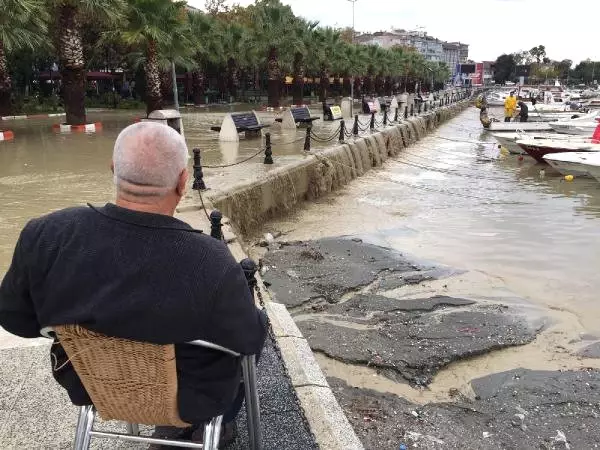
(153,97)
(324,85)
(5,84)
(233,78)
(166,87)
(298,87)
(274,75)
(72,65)
(198,79)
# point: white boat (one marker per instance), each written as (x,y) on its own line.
(519,126)
(574,127)
(509,140)
(538,148)
(573,163)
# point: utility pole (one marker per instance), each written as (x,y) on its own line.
(352,77)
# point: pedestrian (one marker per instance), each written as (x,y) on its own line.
(510,105)
(523,112)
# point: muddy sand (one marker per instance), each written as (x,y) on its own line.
(389,333)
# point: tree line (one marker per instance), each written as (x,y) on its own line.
(535,65)
(239,47)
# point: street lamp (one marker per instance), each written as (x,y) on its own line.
(352,73)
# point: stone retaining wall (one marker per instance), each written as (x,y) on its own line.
(250,204)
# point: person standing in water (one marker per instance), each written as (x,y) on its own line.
(510,105)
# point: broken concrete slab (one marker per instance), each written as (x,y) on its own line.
(348,307)
(519,409)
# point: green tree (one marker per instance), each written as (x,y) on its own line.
(22,25)
(69,19)
(272,23)
(504,68)
(150,27)
(539,53)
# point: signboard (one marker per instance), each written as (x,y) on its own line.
(336,112)
(477,77)
(372,107)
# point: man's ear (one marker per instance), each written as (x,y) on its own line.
(182,183)
(112,167)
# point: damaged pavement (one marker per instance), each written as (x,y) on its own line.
(353,302)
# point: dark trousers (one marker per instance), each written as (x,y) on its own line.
(507,119)
(524,118)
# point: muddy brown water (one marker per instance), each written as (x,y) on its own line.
(41,171)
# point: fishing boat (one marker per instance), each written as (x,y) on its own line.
(519,126)
(574,163)
(509,140)
(538,148)
(575,126)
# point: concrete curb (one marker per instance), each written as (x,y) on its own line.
(32,116)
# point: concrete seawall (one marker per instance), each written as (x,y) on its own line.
(250,204)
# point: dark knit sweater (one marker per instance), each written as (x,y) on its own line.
(140,276)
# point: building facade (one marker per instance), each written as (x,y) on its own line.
(434,50)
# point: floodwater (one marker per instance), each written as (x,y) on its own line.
(42,171)
(454,199)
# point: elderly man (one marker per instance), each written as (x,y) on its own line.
(132,270)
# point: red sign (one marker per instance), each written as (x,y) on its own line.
(477,77)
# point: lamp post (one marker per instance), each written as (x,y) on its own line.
(352,77)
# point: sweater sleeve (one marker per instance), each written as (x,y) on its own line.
(17,314)
(235,321)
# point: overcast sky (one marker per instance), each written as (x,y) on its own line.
(569,30)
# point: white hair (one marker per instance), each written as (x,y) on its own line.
(148,159)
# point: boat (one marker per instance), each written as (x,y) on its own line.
(509,140)
(538,148)
(575,126)
(574,163)
(519,126)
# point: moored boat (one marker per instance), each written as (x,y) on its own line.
(573,163)
(538,148)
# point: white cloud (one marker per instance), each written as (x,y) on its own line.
(490,27)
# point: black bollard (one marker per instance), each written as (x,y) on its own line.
(372,124)
(342,131)
(307,139)
(396,115)
(198,175)
(355,126)
(268,151)
(412,109)
(425,107)
(384,118)
(419,107)
(215,224)
(405,111)
(250,268)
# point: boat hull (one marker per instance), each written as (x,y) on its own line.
(538,152)
(519,126)
(567,167)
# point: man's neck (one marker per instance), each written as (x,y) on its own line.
(165,208)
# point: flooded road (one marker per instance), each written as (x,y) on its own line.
(453,199)
(41,171)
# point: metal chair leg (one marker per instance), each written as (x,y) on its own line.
(133,429)
(89,424)
(212,433)
(252,402)
(80,428)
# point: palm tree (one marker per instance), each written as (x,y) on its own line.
(302,44)
(22,25)
(150,27)
(208,48)
(272,23)
(328,53)
(70,15)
